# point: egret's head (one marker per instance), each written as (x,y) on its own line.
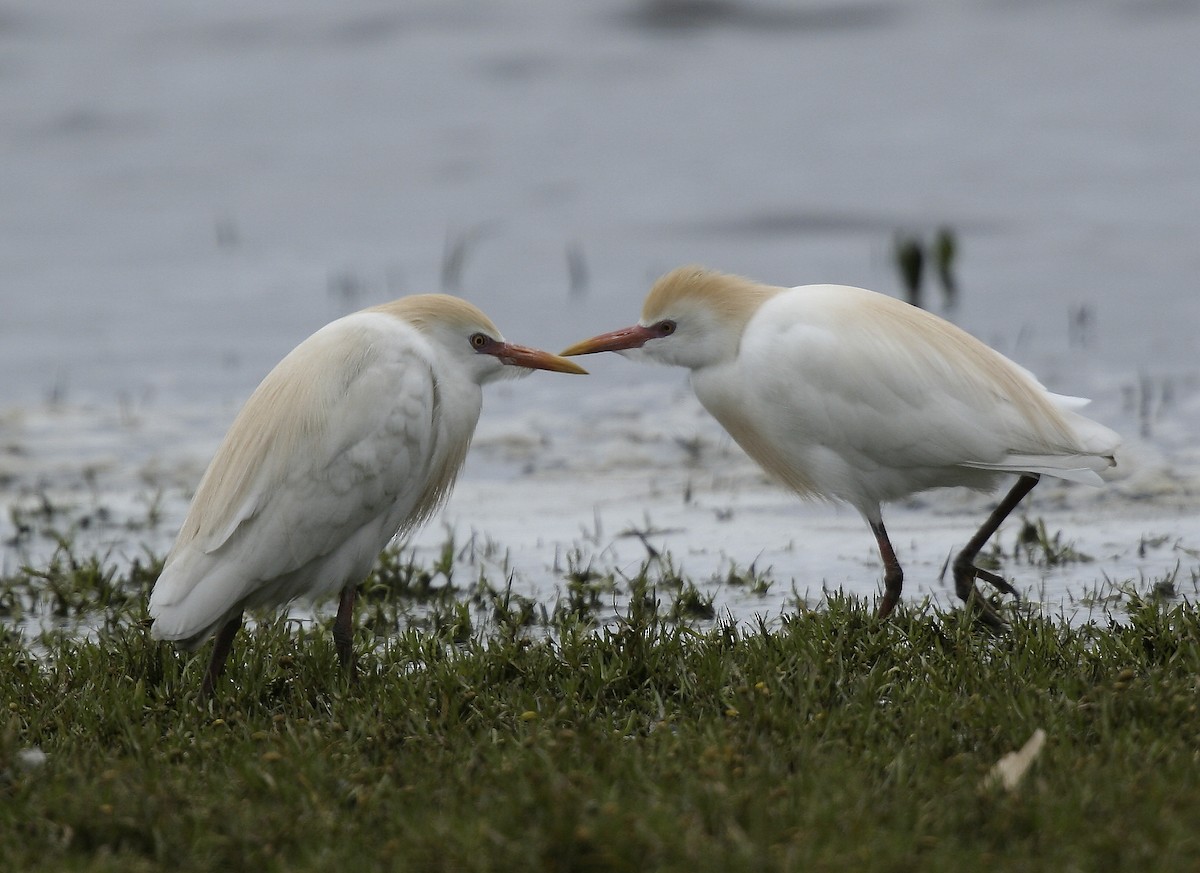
(692,318)
(467,337)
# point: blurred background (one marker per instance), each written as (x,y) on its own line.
(189,189)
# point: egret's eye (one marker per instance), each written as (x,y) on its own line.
(480,341)
(666,328)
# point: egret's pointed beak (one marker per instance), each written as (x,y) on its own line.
(614,341)
(535,359)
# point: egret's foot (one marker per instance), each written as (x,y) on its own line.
(965,571)
(998,582)
(985,613)
(965,574)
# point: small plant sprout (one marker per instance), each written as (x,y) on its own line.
(1040,549)
(752,579)
(945,252)
(909,257)
(692,603)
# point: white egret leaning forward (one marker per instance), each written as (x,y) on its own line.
(849,395)
(357,435)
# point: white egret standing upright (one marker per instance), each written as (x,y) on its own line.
(356,435)
(850,395)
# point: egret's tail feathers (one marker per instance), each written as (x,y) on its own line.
(1085,469)
(178,624)
(1090,452)
(188,614)
(174,626)
(1096,439)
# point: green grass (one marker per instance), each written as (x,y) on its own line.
(489,738)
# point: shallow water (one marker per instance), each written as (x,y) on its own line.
(189,191)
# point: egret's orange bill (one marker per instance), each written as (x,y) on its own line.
(614,341)
(536,359)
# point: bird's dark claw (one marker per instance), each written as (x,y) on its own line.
(997,582)
(965,575)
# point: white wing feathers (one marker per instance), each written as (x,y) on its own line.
(340,430)
(892,369)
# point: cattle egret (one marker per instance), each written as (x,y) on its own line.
(849,395)
(355,436)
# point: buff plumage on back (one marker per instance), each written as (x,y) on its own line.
(975,365)
(295,399)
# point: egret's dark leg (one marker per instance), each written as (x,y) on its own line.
(965,571)
(343,629)
(220,653)
(893,575)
